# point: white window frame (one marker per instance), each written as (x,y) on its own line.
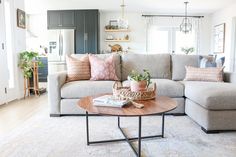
(171,38)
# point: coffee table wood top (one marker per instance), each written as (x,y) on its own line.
(160,104)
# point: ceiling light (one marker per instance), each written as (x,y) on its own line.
(186,25)
(123,23)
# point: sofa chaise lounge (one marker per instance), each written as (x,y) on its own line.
(211,104)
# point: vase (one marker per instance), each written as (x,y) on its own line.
(138,86)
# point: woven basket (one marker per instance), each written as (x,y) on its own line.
(121,92)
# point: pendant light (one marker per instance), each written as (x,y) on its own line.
(123,23)
(123,9)
(186,26)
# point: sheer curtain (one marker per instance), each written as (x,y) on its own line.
(163,35)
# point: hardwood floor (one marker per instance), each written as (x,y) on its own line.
(15,113)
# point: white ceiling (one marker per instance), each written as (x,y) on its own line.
(143,6)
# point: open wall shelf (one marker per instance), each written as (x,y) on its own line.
(117,40)
(117,30)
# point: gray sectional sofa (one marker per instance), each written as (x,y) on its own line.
(211,104)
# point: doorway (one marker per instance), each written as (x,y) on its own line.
(7,62)
(3,57)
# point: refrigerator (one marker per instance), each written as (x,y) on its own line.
(60,43)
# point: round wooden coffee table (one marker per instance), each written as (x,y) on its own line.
(158,106)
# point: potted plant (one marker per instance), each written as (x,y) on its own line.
(26,63)
(139,81)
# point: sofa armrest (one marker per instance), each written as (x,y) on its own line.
(55,81)
(230,77)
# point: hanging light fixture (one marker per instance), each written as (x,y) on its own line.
(186,25)
(123,23)
(123,9)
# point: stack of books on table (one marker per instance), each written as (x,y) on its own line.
(109,101)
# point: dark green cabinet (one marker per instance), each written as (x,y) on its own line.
(79,32)
(85,23)
(91,30)
(61,19)
(43,71)
(87,31)
(54,19)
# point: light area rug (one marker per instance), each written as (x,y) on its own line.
(42,136)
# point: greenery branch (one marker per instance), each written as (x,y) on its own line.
(187,50)
(26,62)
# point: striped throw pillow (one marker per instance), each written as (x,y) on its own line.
(204,74)
(78,69)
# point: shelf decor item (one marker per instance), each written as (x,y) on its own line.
(113,25)
(126,37)
(116,48)
(110,37)
(125,93)
(123,24)
(138,81)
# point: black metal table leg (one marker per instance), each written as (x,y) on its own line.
(163,125)
(129,140)
(139,136)
(118,121)
(87,128)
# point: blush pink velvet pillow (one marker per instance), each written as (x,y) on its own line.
(102,69)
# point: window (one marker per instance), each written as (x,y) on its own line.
(159,40)
(169,40)
(9,45)
(184,41)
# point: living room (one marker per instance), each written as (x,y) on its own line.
(117,78)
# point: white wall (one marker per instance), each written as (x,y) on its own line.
(19,41)
(37,31)
(226,16)
(205,35)
(137,35)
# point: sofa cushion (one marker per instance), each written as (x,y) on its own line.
(102,69)
(79,89)
(116,58)
(178,65)
(166,87)
(211,74)
(212,95)
(77,69)
(158,65)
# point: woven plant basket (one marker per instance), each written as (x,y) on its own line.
(121,92)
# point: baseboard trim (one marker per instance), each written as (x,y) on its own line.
(55,115)
(178,114)
(210,131)
(216,131)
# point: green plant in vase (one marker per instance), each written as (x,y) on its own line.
(139,81)
(187,50)
(26,62)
